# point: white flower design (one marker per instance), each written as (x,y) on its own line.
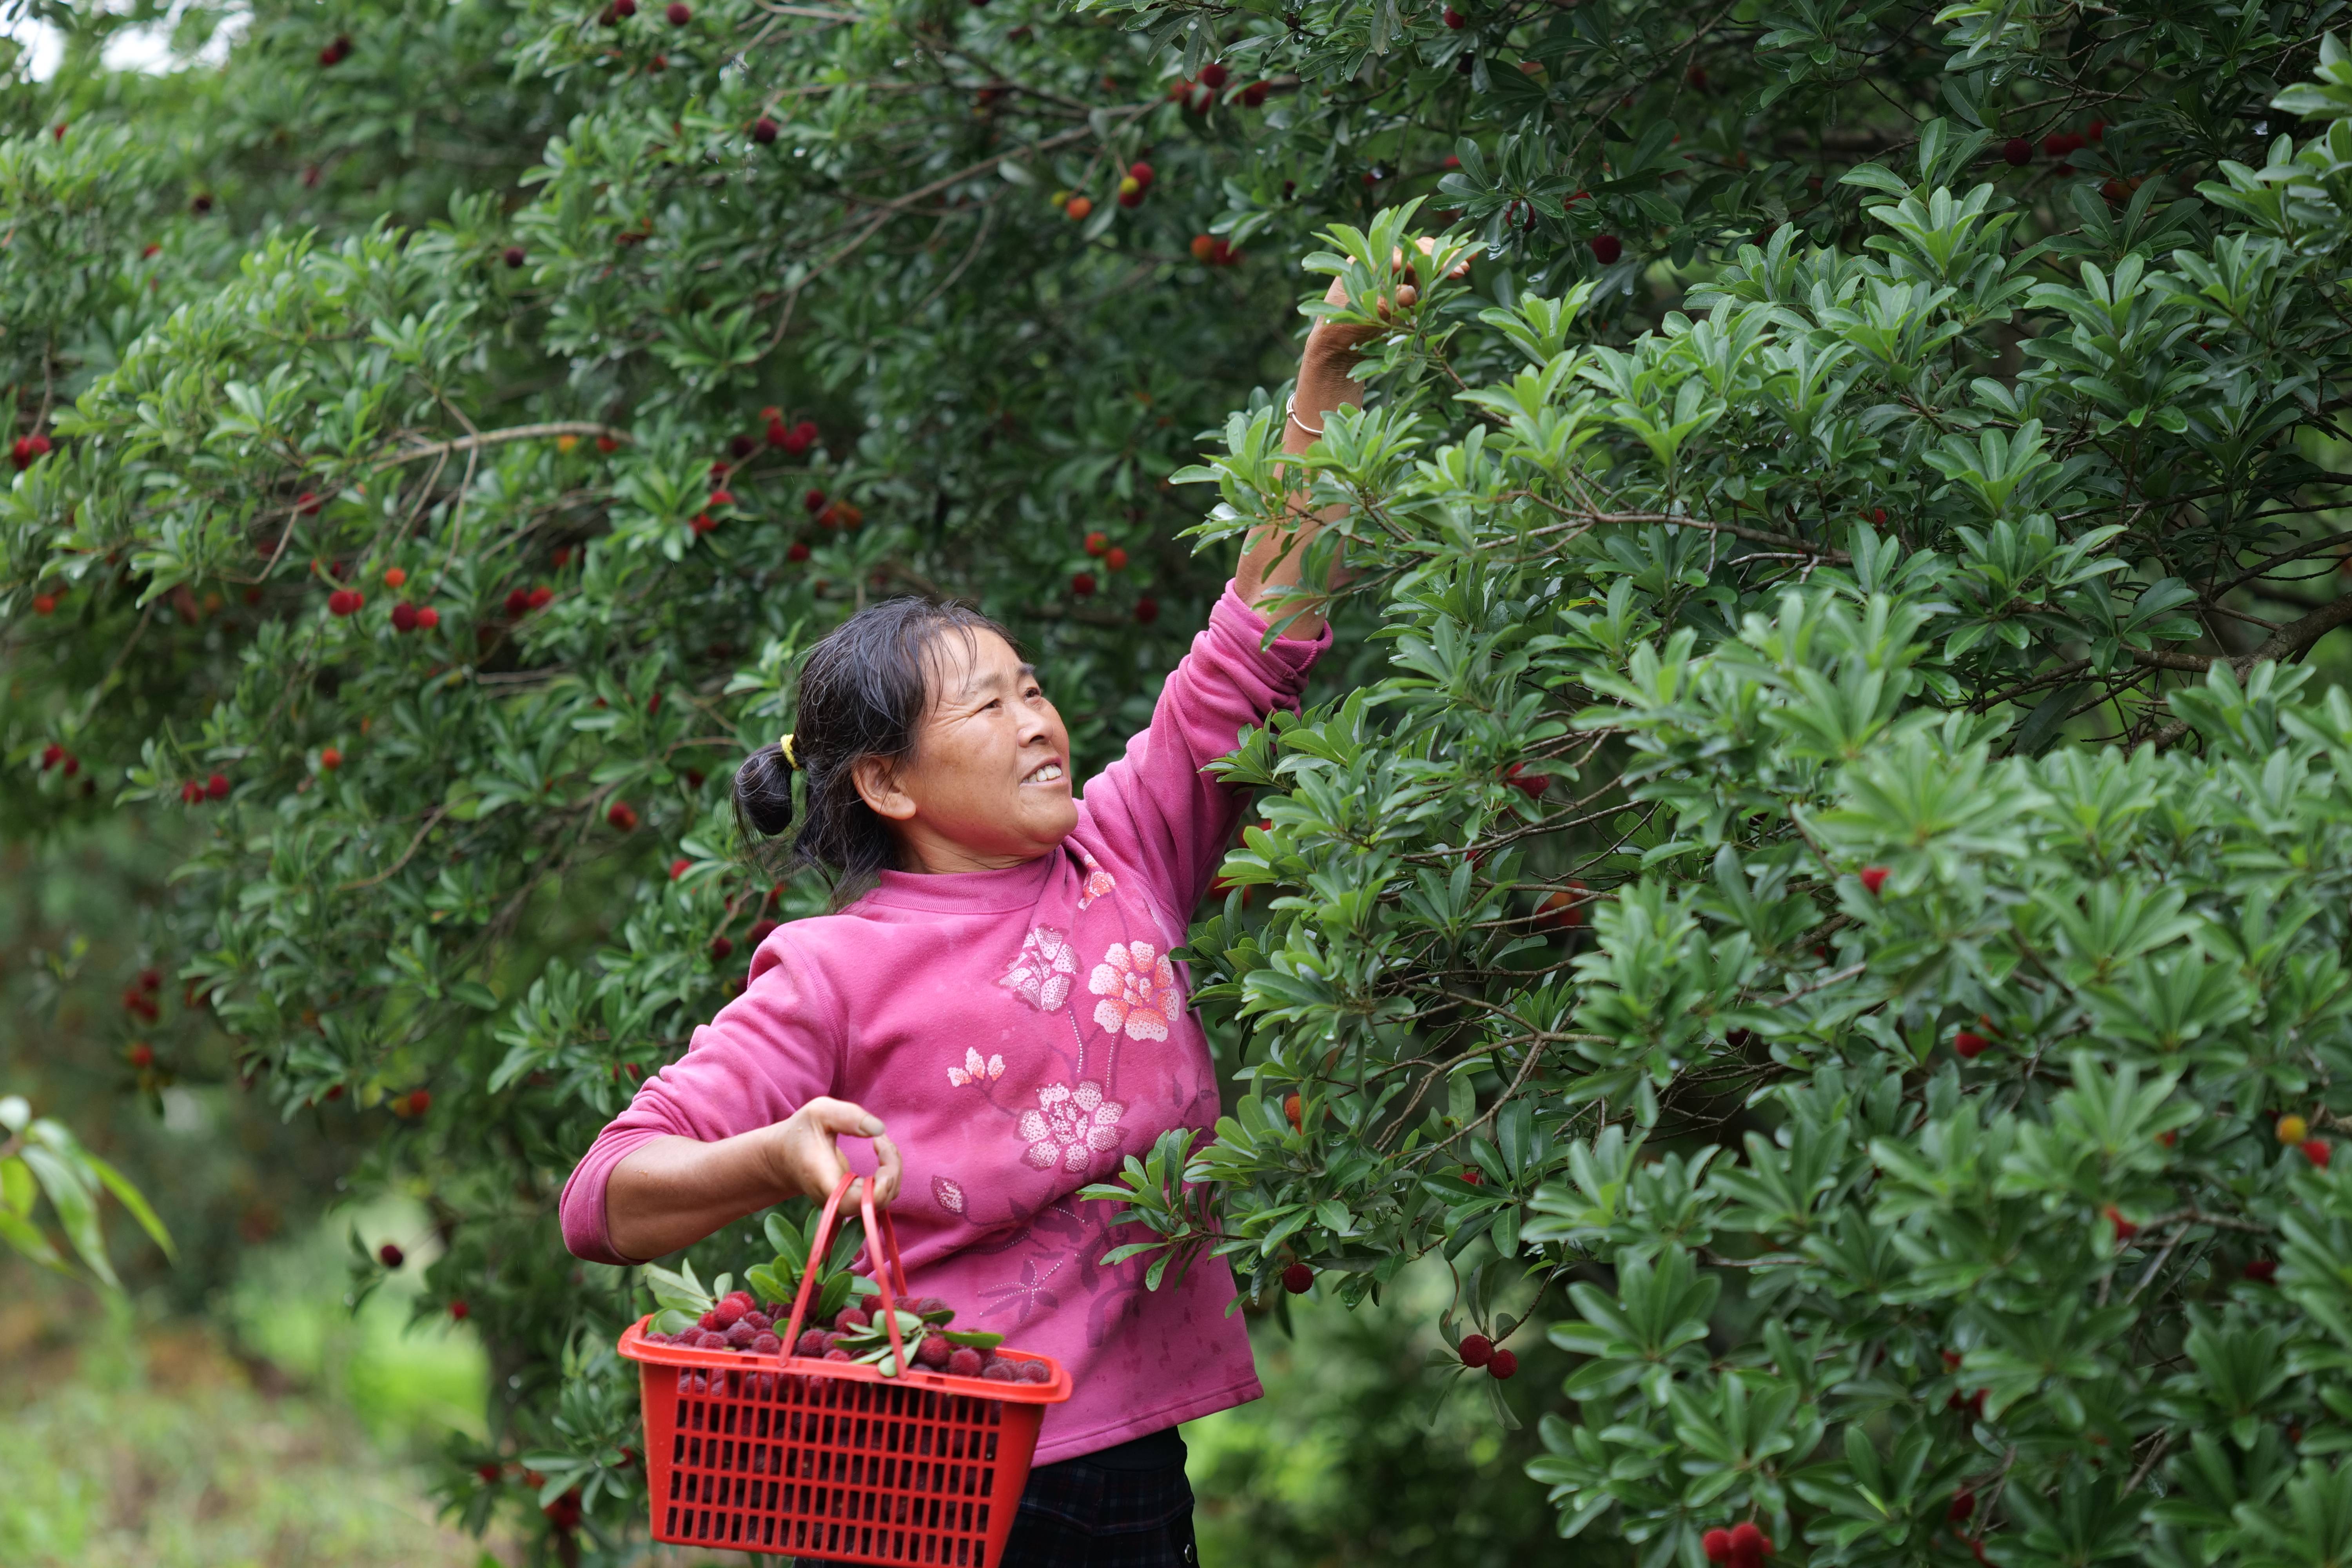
(1041,971)
(1098,881)
(1069,1127)
(1138,988)
(974,1070)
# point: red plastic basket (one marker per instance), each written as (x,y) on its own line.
(832,1459)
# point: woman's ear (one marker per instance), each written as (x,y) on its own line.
(878,787)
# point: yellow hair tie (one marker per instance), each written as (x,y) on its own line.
(785,746)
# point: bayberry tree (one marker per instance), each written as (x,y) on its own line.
(1828,893)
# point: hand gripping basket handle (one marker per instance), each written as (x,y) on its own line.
(880,1239)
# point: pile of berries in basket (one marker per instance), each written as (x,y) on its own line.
(738,1322)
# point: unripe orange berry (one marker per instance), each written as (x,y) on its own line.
(2292,1129)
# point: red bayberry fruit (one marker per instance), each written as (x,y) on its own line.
(622,816)
(1455,19)
(45,603)
(1130,192)
(2061,143)
(812,500)
(1213,76)
(515,257)
(390,1255)
(1748,1541)
(51,755)
(964,1362)
(2018,151)
(1716,1545)
(812,1344)
(459,1310)
(395,577)
(703,523)
(1291,1108)
(1970,1045)
(1142,173)
(202,202)
(190,791)
(805,435)
(307,503)
(541,597)
(798,551)
(761,930)
(1254,95)
(1096,542)
(763,131)
(403,617)
(1530,784)
(850,1317)
(2168,1137)
(428,617)
(720,947)
(1564,909)
(1115,559)
(607,443)
(679,13)
(766,1344)
(1298,1280)
(720,498)
(346,601)
(1873,879)
(490,1474)
(216,786)
(143,1055)
(2125,1229)
(329,758)
(1505,1364)
(838,1353)
(1147,610)
(1964,1503)
(1607,248)
(677,868)
(2261,1270)
(1476,1351)
(1082,584)
(2315,1150)
(518,604)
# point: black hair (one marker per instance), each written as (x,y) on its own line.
(864,691)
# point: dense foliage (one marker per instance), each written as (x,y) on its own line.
(1828,884)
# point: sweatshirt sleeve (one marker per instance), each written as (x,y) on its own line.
(768,1052)
(1154,807)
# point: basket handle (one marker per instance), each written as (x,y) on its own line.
(879,1236)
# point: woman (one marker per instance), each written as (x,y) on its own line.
(1002,1000)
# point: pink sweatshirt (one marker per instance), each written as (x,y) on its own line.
(1022,1032)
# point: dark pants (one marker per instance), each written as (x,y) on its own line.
(1127,1507)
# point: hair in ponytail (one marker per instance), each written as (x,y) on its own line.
(864,691)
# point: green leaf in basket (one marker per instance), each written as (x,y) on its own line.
(790,1246)
(678,1290)
(831,1297)
(770,1283)
(974,1338)
(671,1320)
(861,1287)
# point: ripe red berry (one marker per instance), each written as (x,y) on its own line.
(850,1317)
(1532,785)
(1749,1543)
(345,602)
(812,1344)
(541,597)
(2315,1150)
(1147,610)
(1873,879)
(679,13)
(1970,1045)
(404,617)
(1115,559)
(515,257)
(622,816)
(1298,1280)
(2261,1270)
(1476,1350)
(763,131)
(45,603)
(329,758)
(1505,1364)
(1607,248)
(2017,152)
(798,551)
(216,786)
(1455,19)
(1964,1503)
(812,500)
(764,1344)
(490,1474)
(721,497)
(964,1362)
(428,617)
(143,1055)
(720,947)
(2125,1229)
(1082,584)
(1213,76)
(624,9)
(1716,1545)
(1254,95)
(459,1310)
(1142,173)
(390,1256)
(1291,1108)
(761,930)
(1097,541)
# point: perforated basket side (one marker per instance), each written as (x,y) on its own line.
(832,1467)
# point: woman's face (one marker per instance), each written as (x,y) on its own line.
(989,784)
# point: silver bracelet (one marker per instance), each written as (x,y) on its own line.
(1290,408)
